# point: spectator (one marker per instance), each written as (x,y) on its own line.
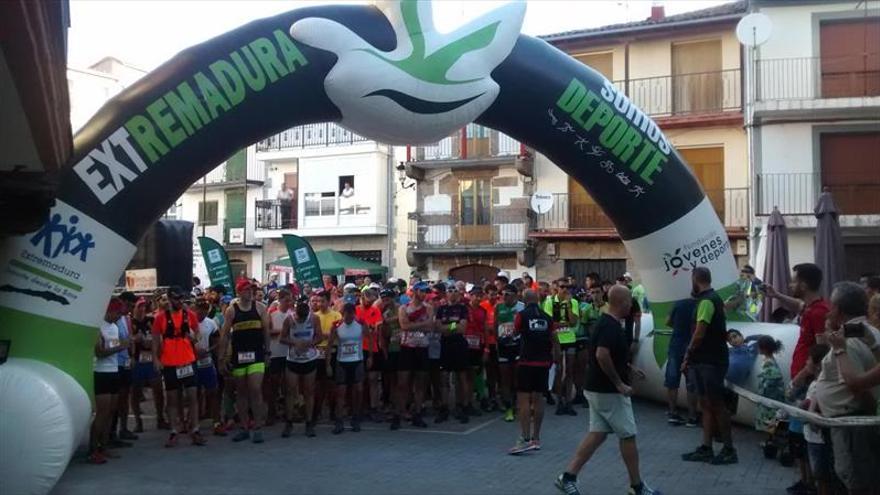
(680,319)
(806,302)
(706,363)
(638,291)
(770,385)
(286,205)
(856,449)
(748,298)
(741,355)
(865,277)
(872,286)
(821,464)
(197,287)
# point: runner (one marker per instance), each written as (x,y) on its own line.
(106,375)
(301,332)
(539,349)
(174,331)
(206,373)
(246,327)
(452,322)
(390,331)
(278,362)
(416,321)
(609,392)
(490,403)
(436,300)
(478,352)
(120,421)
(590,311)
(370,316)
(508,346)
(144,372)
(564,311)
(325,385)
(347,335)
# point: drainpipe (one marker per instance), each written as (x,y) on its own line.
(389,202)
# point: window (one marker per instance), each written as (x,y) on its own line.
(696,77)
(583,212)
(601,62)
(320,204)
(850,57)
(849,170)
(346,180)
(208,213)
(476,202)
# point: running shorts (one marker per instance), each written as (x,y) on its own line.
(248,369)
(508,355)
(143,374)
(206,377)
(532,378)
(351,373)
(106,383)
(277,365)
(454,356)
(304,368)
(179,377)
(475,358)
(413,359)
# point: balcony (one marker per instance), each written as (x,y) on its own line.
(310,136)
(275,214)
(682,95)
(797,193)
(239,233)
(231,176)
(473,146)
(504,230)
(808,78)
(732,206)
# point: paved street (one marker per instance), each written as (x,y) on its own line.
(460,459)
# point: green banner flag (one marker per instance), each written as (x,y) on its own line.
(217,264)
(303,260)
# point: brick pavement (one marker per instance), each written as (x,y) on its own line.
(461,459)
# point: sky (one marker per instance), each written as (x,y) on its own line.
(146,33)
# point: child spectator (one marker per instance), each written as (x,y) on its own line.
(818,446)
(741,356)
(770,383)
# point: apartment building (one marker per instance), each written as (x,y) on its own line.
(817,122)
(685,72)
(330,186)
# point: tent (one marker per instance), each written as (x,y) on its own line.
(334,263)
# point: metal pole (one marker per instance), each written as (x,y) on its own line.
(204,207)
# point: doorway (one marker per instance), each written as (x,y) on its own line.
(474,273)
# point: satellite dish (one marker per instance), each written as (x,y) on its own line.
(541,202)
(754,29)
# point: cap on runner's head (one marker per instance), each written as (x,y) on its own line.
(392,280)
(218,288)
(374,285)
(174,292)
(502,274)
(226,299)
(421,286)
(349,286)
(128,297)
(440,287)
(387,293)
(474,289)
(115,305)
(628,275)
(243,285)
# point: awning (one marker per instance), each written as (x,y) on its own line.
(333,263)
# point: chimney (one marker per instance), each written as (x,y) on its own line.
(657,13)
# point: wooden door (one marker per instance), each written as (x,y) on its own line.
(696,77)
(475,211)
(850,57)
(851,170)
(474,273)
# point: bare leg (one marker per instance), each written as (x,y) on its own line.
(708,420)
(191,394)
(671,399)
(174,411)
(159,401)
(464,393)
(357,394)
(722,419)
(122,408)
(307,385)
(523,400)
(340,401)
(419,390)
(538,413)
(136,392)
(241,400)
(505,372)
(630,454)
(292,382)
(585,451)
(100,430)
(255,397)
(402,393)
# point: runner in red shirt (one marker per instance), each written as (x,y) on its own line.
(478,353)
(175,331)
(490,349)
(370,316)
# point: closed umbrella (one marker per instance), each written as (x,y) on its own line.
(777,272)
(829,245)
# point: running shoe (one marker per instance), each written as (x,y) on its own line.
(197,439)
(127,435)
(355,425)
(549,398)
(442,415)
(172,441)
(702,454)
(310,429)
(241,436)
(674,419)
(258,436)
(560,409)
(418,421)
(692,423)
(508,415)
(395,423)
(338,427)
(570,410)
(288,429)
(96,457)
(219,430)
(727,455)
(535,444)
(568,487)
(521,445)
(642,489)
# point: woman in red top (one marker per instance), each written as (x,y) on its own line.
(475,333)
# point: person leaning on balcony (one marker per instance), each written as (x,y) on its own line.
(285,198)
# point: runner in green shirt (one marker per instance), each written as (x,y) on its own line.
(564,311)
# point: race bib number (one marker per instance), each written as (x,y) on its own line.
(145,357)
(246,357)
(349,350)
(566,336)
(505,330)
(416,339)
(184,371)
(473,341)
(205,362)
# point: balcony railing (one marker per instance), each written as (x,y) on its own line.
(732,206)
(310,136)
(253,172)
(683,94)
(275,214)
(475,141)
(239,232)
(797,193)
(507,228)
(808,78)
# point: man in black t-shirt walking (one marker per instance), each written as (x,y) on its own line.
(609,391)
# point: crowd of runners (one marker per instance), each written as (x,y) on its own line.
(383,353)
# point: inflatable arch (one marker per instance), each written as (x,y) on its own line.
(382,71)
